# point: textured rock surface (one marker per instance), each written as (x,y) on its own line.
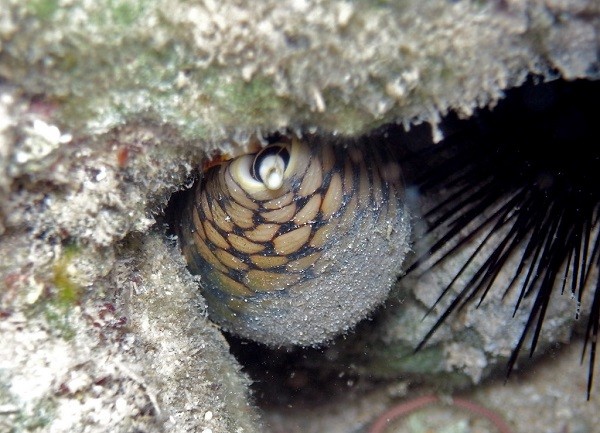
(105,109)
(543,399)
(217,68)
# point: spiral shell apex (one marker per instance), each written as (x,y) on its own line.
(298,242)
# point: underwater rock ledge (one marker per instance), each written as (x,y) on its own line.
(106,108)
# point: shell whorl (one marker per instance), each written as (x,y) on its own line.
(298,242)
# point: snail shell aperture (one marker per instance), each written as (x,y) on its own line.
(297,243)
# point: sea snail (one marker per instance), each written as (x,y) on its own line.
(298,242)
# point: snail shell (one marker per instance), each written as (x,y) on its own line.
(296,243)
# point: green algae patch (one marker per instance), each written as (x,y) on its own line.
(57,305)
(68,293)
(43,9)
(396,360)
(257,97)
(127,13)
